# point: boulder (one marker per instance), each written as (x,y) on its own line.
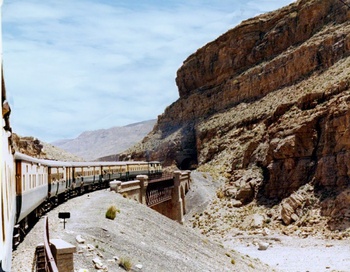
(245,193)
(263,245)
(290,208)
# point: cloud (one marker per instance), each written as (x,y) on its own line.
(72,66)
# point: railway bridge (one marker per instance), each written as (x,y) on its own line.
(165,194)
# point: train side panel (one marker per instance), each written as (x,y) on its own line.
(7,173)
(7,202)
(32,187)
(58,179)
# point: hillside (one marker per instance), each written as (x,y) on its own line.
(138,233)
(265,109)
(38,149)
(92,145)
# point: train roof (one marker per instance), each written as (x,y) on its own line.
(107,163)
(24,157)
(53,163)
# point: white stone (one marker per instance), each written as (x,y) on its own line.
(138,266)
(98,263)
(90,247)
(263,245)
(266,232)
(80,239)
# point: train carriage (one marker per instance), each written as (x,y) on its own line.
(114,170)
(86,176)
(59,180)
(31,187)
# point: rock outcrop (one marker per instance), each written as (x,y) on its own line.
(272,94)
(35,148)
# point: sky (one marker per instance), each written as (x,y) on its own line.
(83,65)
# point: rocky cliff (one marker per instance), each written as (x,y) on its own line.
(267,106)
(35,148)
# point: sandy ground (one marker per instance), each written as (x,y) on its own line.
(295,254)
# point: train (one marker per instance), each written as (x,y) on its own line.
(30,187)
(41,184)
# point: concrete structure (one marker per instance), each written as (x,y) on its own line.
(63,254)
(165,195)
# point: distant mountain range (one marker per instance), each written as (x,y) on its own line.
(91,145)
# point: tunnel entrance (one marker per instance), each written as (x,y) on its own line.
(187,159)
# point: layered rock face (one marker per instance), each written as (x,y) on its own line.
(37,149)
(272,94)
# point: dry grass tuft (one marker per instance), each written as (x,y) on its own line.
(112,212)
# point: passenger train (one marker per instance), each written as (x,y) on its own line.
(41,184)
(29,187)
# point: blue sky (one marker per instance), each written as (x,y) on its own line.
(74,66)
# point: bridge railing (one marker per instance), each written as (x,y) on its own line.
(169,190)
(154,197)
(159,190)
(50,264)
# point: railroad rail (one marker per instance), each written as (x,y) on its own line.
(50,264)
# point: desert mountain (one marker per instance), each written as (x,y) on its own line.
(266,108)
(92,145)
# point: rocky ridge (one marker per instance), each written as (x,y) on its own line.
(106,143)
(35,148)
(265,109)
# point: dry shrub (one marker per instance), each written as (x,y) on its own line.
(125,263)
(112,212)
